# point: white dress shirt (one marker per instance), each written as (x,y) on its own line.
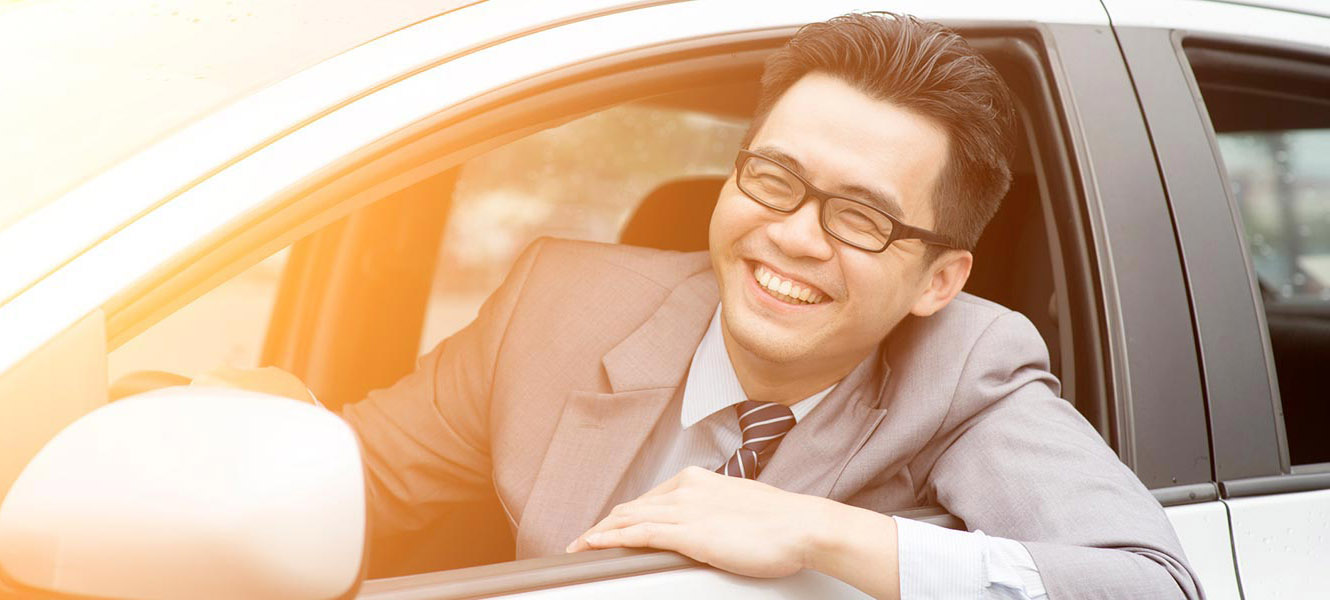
(935,562)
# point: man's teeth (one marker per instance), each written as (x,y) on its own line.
(785,289)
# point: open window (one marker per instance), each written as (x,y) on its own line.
(628,149)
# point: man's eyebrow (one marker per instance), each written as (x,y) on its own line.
(884,201)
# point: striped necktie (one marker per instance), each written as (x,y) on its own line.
(763,425)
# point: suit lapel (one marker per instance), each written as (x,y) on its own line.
(595,441)
(599,433)
(813,454)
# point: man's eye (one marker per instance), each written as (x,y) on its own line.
(858,219)
(770,183)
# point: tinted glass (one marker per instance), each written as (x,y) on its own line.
(1272,124)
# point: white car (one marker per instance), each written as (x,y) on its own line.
(1167,231)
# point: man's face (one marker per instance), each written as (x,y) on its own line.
(849,144)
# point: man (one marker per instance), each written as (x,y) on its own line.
(764,407)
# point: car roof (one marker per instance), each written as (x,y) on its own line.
(89,84)
(1312,7)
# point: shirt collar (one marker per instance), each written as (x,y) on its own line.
(712,384)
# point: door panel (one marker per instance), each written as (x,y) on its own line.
(1203,530)
(1283,544)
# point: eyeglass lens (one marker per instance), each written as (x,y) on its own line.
(775,186)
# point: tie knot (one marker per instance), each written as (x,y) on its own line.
(763,424)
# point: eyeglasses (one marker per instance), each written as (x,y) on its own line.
(854,222)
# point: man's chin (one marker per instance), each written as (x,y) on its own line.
(763,339)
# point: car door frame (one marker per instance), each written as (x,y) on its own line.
(1251,456)
(1244,413)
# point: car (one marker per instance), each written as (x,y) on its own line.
(1167,232)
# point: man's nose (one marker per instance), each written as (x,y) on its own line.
(800,233)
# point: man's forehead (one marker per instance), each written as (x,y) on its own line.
(850,143)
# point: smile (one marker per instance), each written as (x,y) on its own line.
(786,290)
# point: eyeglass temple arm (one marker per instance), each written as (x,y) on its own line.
(908,232)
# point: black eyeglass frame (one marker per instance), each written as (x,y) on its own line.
(899,230)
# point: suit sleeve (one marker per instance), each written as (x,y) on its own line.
(1017,461)
(425,440)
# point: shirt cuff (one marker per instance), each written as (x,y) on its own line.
(936,562)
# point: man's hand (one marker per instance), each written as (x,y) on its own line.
(734,524)
(753,529)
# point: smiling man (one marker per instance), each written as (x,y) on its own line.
(766,406)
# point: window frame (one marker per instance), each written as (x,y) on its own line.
(1252,61)
(1244,410)
(1149,342)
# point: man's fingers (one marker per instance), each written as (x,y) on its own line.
(640,513)
(628,515)
(664,536)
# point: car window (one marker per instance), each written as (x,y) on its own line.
(1281,181)
(584,180)
(661,161)
(1271,118)
(224,327)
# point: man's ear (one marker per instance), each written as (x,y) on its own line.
(946,277)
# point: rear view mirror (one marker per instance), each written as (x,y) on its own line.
(191,492)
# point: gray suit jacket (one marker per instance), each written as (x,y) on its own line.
(550,393)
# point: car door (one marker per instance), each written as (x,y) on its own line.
(1237,104)
(1112,308)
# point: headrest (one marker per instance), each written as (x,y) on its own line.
(675,216)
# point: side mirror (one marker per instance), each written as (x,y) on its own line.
(191,492)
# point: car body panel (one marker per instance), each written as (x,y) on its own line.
(1204,533)
(1227,18)
(1282,542)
